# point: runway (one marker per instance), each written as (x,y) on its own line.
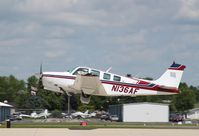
(97,132)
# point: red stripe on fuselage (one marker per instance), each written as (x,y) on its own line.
(139,85)
(60,76)
(143,86)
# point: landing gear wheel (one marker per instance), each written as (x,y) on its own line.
(84,98)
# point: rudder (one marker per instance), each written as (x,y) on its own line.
(172,76)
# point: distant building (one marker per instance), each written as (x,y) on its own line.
(141,112)
(5,111)
(193,114)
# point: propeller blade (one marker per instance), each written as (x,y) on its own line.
(41,69)
(39,76)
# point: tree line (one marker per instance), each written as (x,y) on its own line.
(18,93)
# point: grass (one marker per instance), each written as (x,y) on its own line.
(102,125)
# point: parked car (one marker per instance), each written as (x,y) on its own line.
(175,117)
(114,118)
(105,117)
(109,117)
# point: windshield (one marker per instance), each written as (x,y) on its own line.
(71,70)
(81,71)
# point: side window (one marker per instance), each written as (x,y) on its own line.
(95,72)
(81,71)
(106,76)
(116,78)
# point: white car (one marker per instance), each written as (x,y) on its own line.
(114,118)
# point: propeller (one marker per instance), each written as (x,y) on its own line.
(34,87)
(41,69)
(40,84)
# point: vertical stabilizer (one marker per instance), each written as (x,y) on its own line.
(172,76)
(86,112)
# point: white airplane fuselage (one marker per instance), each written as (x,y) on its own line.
(65,80)
(103,83)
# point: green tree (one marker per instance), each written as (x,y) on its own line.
(196,91)
(56,113)
(185,100)
(9,88)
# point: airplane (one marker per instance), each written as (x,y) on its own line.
(80,114)
(34,115)
(83,114)
(89,81)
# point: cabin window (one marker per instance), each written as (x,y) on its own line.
(95,72)
(81,71)
(107,76)
(116,78)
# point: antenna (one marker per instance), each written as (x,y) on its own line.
(136,76)
(108,69)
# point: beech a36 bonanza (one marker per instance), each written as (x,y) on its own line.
(88,81)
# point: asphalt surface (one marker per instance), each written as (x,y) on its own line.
(96,132)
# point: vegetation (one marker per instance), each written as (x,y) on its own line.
(92,125)
(56,114)
(18,93)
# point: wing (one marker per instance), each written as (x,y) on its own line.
(24,115)
(89,84)
(86,85)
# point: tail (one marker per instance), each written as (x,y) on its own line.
(46,111)
(172,76)
(86,112)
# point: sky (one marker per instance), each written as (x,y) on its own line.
(141,37)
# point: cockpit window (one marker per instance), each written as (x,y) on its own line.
(107,76)
(81,71)
(95,72)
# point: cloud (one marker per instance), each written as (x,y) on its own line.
(74,18)
(127,35)
(54,54)
(44,6)
(131,39)
(12,42)
(188,11)
(56,48)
